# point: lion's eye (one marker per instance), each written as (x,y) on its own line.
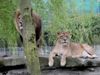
(61,36)
(66,36)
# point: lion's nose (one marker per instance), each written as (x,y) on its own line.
(64,39)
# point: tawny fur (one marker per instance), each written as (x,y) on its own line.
(65,48)
(36,20)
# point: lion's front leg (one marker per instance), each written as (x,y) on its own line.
(51,58)
(63,60)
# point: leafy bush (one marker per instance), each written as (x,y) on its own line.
(7,28)
(57,16)
(83,28)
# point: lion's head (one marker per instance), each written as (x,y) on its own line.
(63,37)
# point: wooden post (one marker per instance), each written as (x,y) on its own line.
(30,48)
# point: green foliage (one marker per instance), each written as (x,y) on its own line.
(7,28)
(57,15)
(84,27)
(64,15)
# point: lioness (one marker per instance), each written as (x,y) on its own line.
(35,19)
(65,48)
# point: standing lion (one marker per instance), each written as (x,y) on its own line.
(35,19)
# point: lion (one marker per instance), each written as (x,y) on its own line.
(65,48)
(37,22)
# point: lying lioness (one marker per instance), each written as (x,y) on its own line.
(65,48)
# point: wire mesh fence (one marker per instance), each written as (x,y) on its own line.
(19,51)
(12,51)
(44,51)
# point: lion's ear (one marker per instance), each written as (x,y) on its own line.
(17,13)
(67,33)
(58,33)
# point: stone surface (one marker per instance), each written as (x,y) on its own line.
(69,71)
(71,62)
(73,66)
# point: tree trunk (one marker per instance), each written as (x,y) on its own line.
(29,38)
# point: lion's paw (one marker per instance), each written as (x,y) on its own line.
(51,63)
(63,63)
